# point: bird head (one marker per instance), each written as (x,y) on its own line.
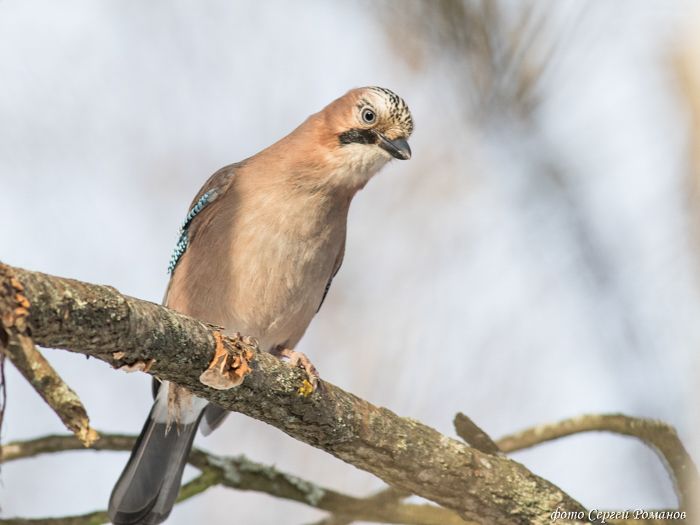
(342,146)
(366,128)
(375,117)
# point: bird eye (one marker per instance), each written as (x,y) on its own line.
(368,116)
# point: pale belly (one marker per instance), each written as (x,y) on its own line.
(279,290)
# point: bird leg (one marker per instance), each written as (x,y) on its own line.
(298,359)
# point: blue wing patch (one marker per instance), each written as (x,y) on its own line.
(183,241)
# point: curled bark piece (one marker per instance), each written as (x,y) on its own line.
(230,364)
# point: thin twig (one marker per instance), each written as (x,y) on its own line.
(659,436)
(242,474)
(389,495)
(91,518)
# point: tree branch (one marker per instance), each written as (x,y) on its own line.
(122,331)
(242,474)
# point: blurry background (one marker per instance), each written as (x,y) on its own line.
(536,259)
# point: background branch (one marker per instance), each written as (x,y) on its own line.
(384,497)
(242,474)
(657,435)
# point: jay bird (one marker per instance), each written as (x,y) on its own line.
(257,254)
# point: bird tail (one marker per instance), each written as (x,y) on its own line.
(147,488)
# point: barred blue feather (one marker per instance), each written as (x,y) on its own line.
(183,241)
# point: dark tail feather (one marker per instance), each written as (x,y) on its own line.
(147,489)
(213,417)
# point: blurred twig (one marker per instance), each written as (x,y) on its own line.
(686,63)
(387,496)
(497,57)
(242,474)
(497,50)
(659,436)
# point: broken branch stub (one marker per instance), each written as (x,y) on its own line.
(16,343)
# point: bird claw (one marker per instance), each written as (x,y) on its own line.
(295,359)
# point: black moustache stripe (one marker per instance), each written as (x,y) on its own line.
(358,136)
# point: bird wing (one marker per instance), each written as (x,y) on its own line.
(336,267)
(200,208)
(198,216)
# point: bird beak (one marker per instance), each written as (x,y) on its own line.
(397,148)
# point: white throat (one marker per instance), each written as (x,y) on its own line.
(360,164)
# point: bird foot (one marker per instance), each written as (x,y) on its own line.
(298,359)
